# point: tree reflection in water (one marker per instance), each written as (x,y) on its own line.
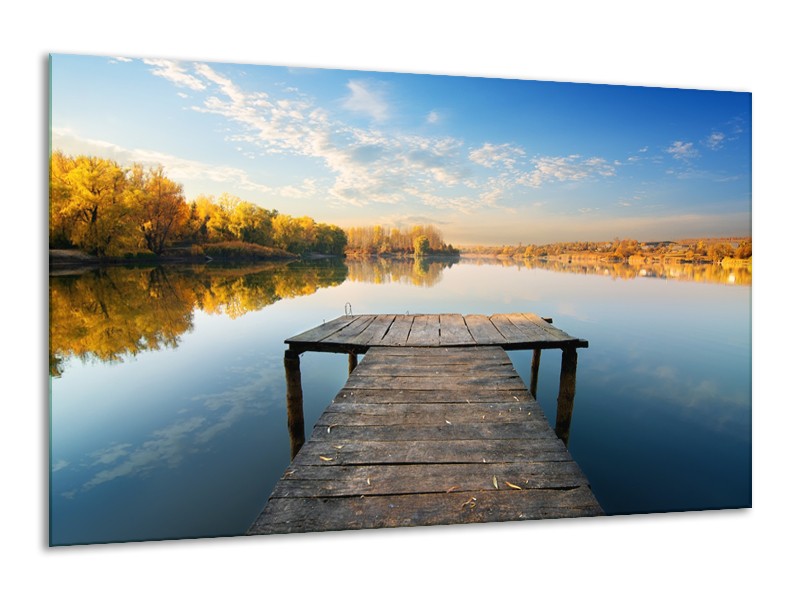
(111,313)
(698,272)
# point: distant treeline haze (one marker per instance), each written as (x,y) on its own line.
(628,249)
(419,239)
(106,209)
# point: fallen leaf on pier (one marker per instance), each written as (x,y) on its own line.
(471,503)
(455,487)
(448,422)
(368,481)
(494,481)
(511,485)
(325,458)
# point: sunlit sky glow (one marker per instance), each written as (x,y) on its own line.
(489,161)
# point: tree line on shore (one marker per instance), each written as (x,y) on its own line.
(417,240)
(701,250)
(105,209)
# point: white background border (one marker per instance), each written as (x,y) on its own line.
(730,46)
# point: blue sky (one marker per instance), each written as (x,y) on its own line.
(489,161)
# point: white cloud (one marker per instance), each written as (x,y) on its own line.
(682,150)
(173,71)
(491,155)
(165,448)
(123,59)
(364,98)
(433,117)
(715,140)
(180,169)
(59,464)
(369,166)
(110,454)
(565,168)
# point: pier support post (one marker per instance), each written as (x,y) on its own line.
(566,393)
(537,356)
(352,361)
(294,401)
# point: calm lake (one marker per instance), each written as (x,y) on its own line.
(168,415)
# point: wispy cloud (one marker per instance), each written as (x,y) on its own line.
(682,150)
(565,168)
(364,166)
(715,140)
(59,464)
(170,445)
(110,455)
(173,71)
(181,169)
(491,155)
(164,448)
(367,98)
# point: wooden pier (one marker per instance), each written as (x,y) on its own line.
(434,426)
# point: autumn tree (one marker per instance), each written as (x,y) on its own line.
(90,206)
(744,249)
(158,207)
(422,246)
(720,251)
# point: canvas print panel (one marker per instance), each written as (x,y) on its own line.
(295,299)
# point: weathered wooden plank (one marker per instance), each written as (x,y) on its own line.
(335,480)
(287,515)
(434,351)
(398,331)
(322,331)
(431,451)
(444,355)
(451,358)
(346,334)
(397,369)
(379,362)
(374,332)
(482,330)
(466,395)
(454,331)
(487,382)
(510,331)
(444,430)
(355,414)
(532,331)
(424,331)
(545,325)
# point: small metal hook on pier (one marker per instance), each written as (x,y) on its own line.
(348,310)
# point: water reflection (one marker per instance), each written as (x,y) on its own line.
(109,314)
(189,442)
(426,272)
(113,313)
(701,273)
